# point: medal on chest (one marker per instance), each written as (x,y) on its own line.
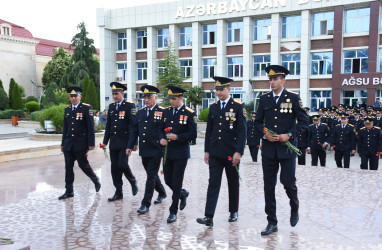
(231,117)
(79,116)
(286,107)
(121,114)
(158,115)
(183,119)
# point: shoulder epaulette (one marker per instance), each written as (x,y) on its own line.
(363,127)
(265,93)
(351,125)
(69,106)
(86,104)
(190,110)
(128,102)
(160,107)
(112,102)
(168,107)
(215,103)
(141,108)
(324,123)
(238,101)
(292,92)
(377,127)
(311,125)
(338,125)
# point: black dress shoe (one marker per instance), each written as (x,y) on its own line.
(208,221)
(116,197)
(171,218)
(269,229)
(294,218)
(160,198)
(97,185)
(66,195)
(183,200)
(233,217)
(142,210)
(134,189)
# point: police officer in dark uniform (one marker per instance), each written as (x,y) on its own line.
(77,138)
(332,118)
(307,110)
(323,117)
(318,140)
(150,119)
(253,137)
(302,145)
(121,129)
(343,141)
(182,120)
(357,122)
(278,111)
(378,118)
(369,145)
(225,137)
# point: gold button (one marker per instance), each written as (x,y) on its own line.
(72,128)
(144,128)
(115,120)
(144,134)
(220,131)
(115,114)
(72,122)
(220,138)
(145,121)
(115,126)
(220,123)
(275,117)
(221,116)
(275,109)
(115,132)
(172,121)
(144,141)
(275,126)
(72,135)
(72,116)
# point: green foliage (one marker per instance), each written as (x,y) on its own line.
(204,115)
(32,106)
(170,75)
(8,113)
(249,107)
(1,84)
(50,98)
(92,97)
(37,115)
(31,98)
(195,96)
(12,84)
(17,102)
(61,97)
(4,101)
(85,87)
(21,90)
(56,68)
(56,115)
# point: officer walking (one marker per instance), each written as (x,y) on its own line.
(225,137)
(343,141)
(378,118)
(253,137)
(369,145)
(150,119)
(302,144)
(121,130)
(278,111)
(77,138)
(180,123)
(318,140)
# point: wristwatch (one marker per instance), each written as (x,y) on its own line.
(290,135)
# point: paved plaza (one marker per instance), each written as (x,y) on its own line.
(339,208)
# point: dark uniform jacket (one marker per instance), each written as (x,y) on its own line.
(281,119)
(226,129)
(302,139)
(121,126)
(318,136)
(331,122)
(377,123)
(253,135)
(343,139)
(150,133)
(78,133)
(358,124)
(184,125)
(370,141)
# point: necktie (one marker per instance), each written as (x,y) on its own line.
(148,112)
(223,105)
(175,111)
(117,106)
(74,108)
(276,98)
(316,126)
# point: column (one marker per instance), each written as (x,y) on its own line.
(152,56)
(275,39)
(175,37)
(305,57)
(247,59)
(131,65)
(196,54)
(221,51)
(337,55)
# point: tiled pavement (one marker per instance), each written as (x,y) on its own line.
(339,209)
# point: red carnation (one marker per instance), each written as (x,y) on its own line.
(265,130)
(100,145)
(258,146)
(306,150)
(229,158)
(318,143)
(377,154)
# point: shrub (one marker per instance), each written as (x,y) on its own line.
(50,99)
(61,97)
(4,101)
(17,102)
(32,106)
(31,98)
(56,115)
(37,115)
(12,83)
(1,84)
(7,114)
(204,115)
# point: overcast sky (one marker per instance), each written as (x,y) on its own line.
(58,20)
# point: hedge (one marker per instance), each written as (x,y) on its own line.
(32,106)
(56,115)
(8,113)
(204,115)
(37,115)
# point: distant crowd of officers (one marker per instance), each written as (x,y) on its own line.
(346,131)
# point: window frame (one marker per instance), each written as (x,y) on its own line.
(230,29)
(163,37)
(123,41)
(208,32)
(208,67)
(328,63)
(329,23)
(185,34)
(297,64)
(261,29)
(357,19)
(142,38)
(352,61)
(287,26)
(234,69)
(142,71)
(186,70)
(262,64)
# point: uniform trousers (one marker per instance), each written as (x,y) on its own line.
(151,165)
(216,167)
(287,178)
(120,166)
(173,176)
(254,151)
(338,155)
(302,157)
(83,163)
(365,158)
(318,152)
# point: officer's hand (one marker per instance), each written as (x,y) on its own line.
(271,137)
(62,149)
(308,151)
(332,148)
(135,148)
(236,158)
(324,145)
(207,158)
(353,152)
(171,136)
(103,146)
(284,137)
(128,151)
(163,142)
(91,147)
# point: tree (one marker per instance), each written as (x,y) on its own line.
(91,96)
(85,87)
(50,98)
(56,68)
(12,84)
(4,101)
(195,96)
(1,84)
(21,90)
(17,102)
(83,61)
(170,73)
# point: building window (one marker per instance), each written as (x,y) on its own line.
(209,68)
(323,24)
(235,32)
(6,31)
(209,34)
(186,67)
(122,43)
(142,39)
(292,63)
(355,61)
(122,70)
(320,99)
(350,97)
(235,67)
(161,69)
(185,36)
(209,98)
(378,95)
(262,29)
(322,63)
(357,20)
(260,63)
(163,38)
(142,71)
(291,26)
(380,60)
